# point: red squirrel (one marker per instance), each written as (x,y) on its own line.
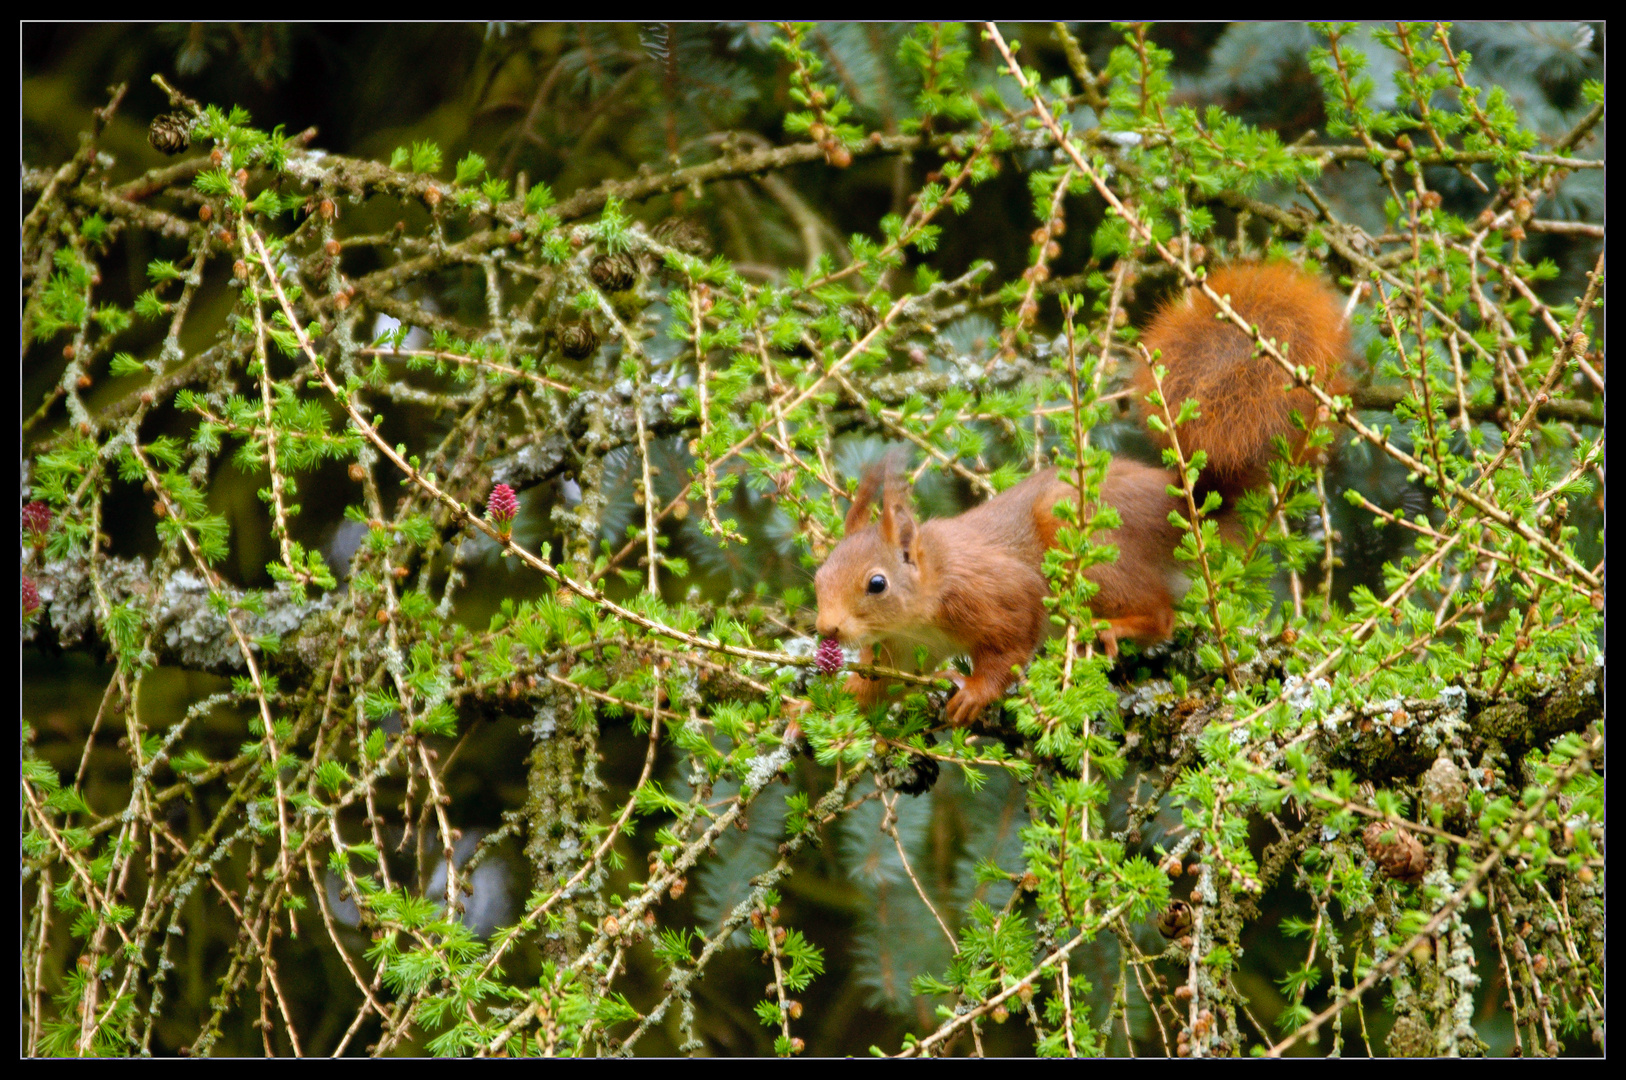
(974,584)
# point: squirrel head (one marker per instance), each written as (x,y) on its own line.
(870,584)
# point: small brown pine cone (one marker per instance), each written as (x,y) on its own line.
(1443,786)
(683,235)
(614,273)
(170,133)
(1398,853)
(860,316)
(577,339)
(1174,920)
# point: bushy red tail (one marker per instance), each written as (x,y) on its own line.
(1246,400)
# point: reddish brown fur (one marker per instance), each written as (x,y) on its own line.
(974,584)
(1241,395)
(938,586)
(939,575)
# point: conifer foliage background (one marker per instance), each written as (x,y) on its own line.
(429,433)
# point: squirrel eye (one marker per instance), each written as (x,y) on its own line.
(877,584)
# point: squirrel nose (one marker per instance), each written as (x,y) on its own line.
(826,627)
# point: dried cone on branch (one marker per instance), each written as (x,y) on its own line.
(170,133)
(1398,853)
(614,273)
(1410,1037)
(1443,786)
(577,340)
(1174,920)
(860,316)
(683,235)
(917,777)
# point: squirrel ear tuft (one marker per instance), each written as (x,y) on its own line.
(882,478)
(897,514)
(896,467)
(898,525)
(863,499)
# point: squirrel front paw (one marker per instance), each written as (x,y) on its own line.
(969,700)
